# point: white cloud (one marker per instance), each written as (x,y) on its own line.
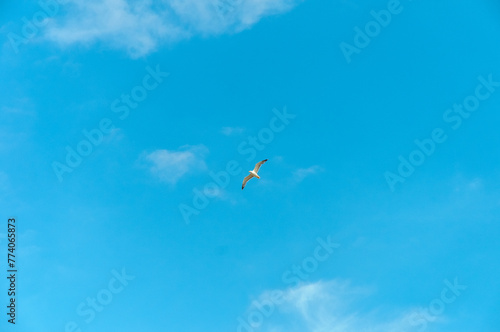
(139,26)
(115,135)
(214,192)
(326,307)
(302,173)
(171,166)
(228,131)
(19,106)
(465,184)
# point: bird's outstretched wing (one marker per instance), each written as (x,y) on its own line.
(257,166)
(245,180)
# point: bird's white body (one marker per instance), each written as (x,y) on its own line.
(253,173)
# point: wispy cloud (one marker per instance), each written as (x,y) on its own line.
(228,131)
(462,183)
(19,106)
(115,135)
(331,306)
(140,26)
(170,166)
(300,174)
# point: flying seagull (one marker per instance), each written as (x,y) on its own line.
(253,173)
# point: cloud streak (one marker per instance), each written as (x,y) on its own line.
(329,306)
(300,174)
(140,26)
(170,166)
(228,131)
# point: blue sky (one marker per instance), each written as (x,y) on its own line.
(376,211)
